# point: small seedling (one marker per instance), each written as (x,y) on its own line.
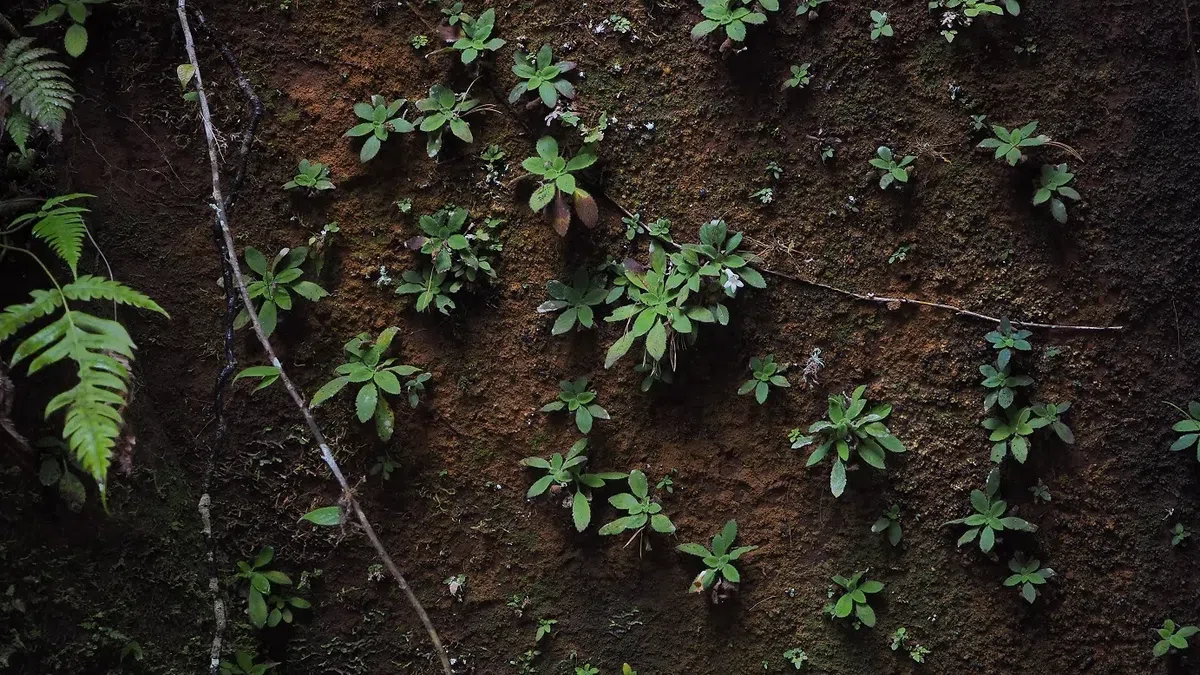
(796,656)
(1028,574)
(1011,433)
(477,37)
(1189,426)
(849,431)
(1052,184)
(900,254)
(556,174)
(244,664)
(989,517)
(542,75)
(893,171)
(773,170)
(879,25)
(1002,384)
(1179,535)
(1008,144)
(718,562)
(379,377)
(765,374)
(890,523)
(311,175)
(275,284)
(586,669)
(978,122)
(260,580)
(455,257)
(733,16)
(901,640)
(1052,413)
(764,196)
(855,600)
(800,77)
(576,398)
(809,8)
(1007,340)
(565,472)
(575,302)
(1173,638)
(620,24)
(382,118)
(1041,491)
(419,41)
(544,628)
(641,509)
(455,15)
(667,482)
(446,111)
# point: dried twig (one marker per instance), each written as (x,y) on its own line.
(872,297)
(229,260)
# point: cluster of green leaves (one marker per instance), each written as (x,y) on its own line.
(275,284)
(1008,144)
(892,171)
(902,640)
(445,110)
(575,303)
(381,119)
(809,8)
(989,517)
(543,75)
(311,175)
(733,16)
(718,563)
(455,257)
(477,36)
(556,175)
(890,522)
(641,510)
(264,607)
(1012,426)
(37,88)
(567,473)
(1173,637)
(854,598)
(100,348)
(1188,427)
(974,8)
(880,26)
(765,373)
(575,397)
(1028,574)
(796,656)
(380,377)
(664,303)
(1052,184)
(76,39)
(849,430)
(244,664)
(659,229)
(800,77)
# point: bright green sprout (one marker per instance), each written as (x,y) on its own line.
(1052,184)
(575,302)
(892,170)
(880,26)
(576,398)
(850,430)
(565,473)
(311,175)
(718,562)
(477,37)
(1008,143)
(1028,574)
(382,118)
(543,76)
(1173,638)
(766,374)
(275,285)
(989,517)
(855,599)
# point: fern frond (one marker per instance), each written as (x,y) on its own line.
(38,86)
(93,406)
(60,226)
(16,317)
(89,287)
(19,126)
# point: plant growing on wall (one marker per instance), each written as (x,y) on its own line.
(566,473)
(641,510)
(557,183)
(849,431)
(577,399)
(477,37)
(989,517)
(379,378)
(275,284)
(543,76)
(719,571)
(381,119)
(575,303)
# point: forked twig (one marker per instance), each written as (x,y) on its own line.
(229,260)
(872,297)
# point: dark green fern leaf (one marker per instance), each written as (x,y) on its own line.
(19,126)
(60,226)
(89,287)
(38,86)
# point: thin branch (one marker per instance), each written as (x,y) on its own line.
(230,261)
(9,27)
(872,297)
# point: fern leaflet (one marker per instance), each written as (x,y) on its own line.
(60,226)
(40,87)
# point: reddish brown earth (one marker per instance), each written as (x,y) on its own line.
(1114,80)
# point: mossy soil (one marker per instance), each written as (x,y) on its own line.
(693,131)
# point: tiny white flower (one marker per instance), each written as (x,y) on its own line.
(649,126)
(732,281)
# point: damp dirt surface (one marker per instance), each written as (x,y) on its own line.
(691,135)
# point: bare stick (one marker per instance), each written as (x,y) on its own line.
(230,260)
(872,297)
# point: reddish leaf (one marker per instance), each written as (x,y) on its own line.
(559,214)
(585,208)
